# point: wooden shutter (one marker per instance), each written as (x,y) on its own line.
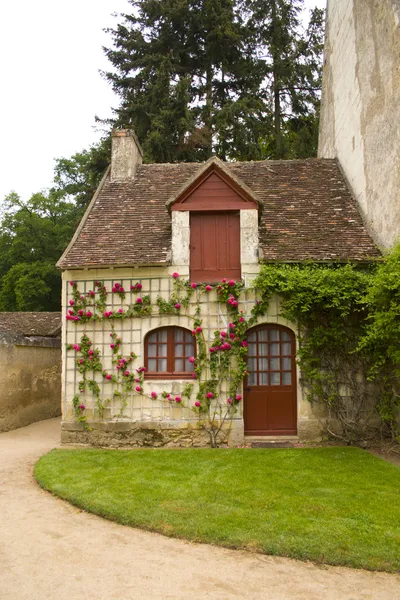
(214,246)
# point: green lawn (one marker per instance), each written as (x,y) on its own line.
(333,505)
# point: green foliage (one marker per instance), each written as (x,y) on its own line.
(328,505)
(238,78)
(76,178)
(33,235)
(348,321)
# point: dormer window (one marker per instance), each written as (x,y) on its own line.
(208,238)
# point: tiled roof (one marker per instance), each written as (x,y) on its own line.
(308,213)
(30,323)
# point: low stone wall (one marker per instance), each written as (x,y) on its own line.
(146,434)
(30,387)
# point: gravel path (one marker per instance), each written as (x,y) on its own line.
(51,550)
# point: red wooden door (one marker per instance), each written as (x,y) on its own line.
(270,405)
(214,246)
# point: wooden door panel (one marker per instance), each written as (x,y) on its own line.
(270,403)
(214,246)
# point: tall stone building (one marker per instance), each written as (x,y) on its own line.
(360,114)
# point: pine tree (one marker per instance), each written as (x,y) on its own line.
(293,71)
(187,79)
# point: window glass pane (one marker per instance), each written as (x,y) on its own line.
(252,337)
(152,337)
(287,364)
(273,335)
(162,349)
(263,349)
(263,364)
(263,378)
(152,350)
(252,379)
(179,364)
(189,349)
(274,349)
(285,337)
(251,364)
(262,335)
(287,378)
(275,364)
(252,349)
(189,367)
(162,335)
(286,348)
(152,364)
(188,337)
(178,335)
(162,365)
(179,350)
(275,378)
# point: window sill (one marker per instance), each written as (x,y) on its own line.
(169,376)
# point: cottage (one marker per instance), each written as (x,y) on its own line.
(162,340)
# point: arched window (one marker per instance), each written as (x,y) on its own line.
(167,351)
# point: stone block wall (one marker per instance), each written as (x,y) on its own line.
(30,387)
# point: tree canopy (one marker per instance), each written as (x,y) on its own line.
(236,78)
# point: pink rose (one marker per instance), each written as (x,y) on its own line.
(210,395)
(229,401)
(112,346)
(223,334)
(127,373)
(234,303)
(232,336)
(138,388)
(238,398)
(245,344)
(72,283)
(89,314)
(76,347)
(121,290)
(191,359)
(108,376)
(120,310)
(70,312)
(194,375)
(224,280)
(197,403)
(177,306)
(231,282)
(175,275)
(91,293)
(241,319)
(208,288)
(81,361)
(71,303)
(81,312)
(139,301)
(90,352)
(231,326)
(212,350)
(178,399)
(82,407)
(193,286)
(199,329)
(116,285)
(154,395)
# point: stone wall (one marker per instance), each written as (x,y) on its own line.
(30,388)
(360,114)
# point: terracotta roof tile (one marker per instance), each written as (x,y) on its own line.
(30,323)
(308,213)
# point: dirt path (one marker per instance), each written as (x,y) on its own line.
(50,550)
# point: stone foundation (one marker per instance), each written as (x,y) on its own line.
(146,434)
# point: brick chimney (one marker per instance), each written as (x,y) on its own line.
(126,154)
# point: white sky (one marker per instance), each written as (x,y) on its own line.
(51,53)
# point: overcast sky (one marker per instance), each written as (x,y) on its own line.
(51,53)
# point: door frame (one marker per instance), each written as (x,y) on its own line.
(246,390)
